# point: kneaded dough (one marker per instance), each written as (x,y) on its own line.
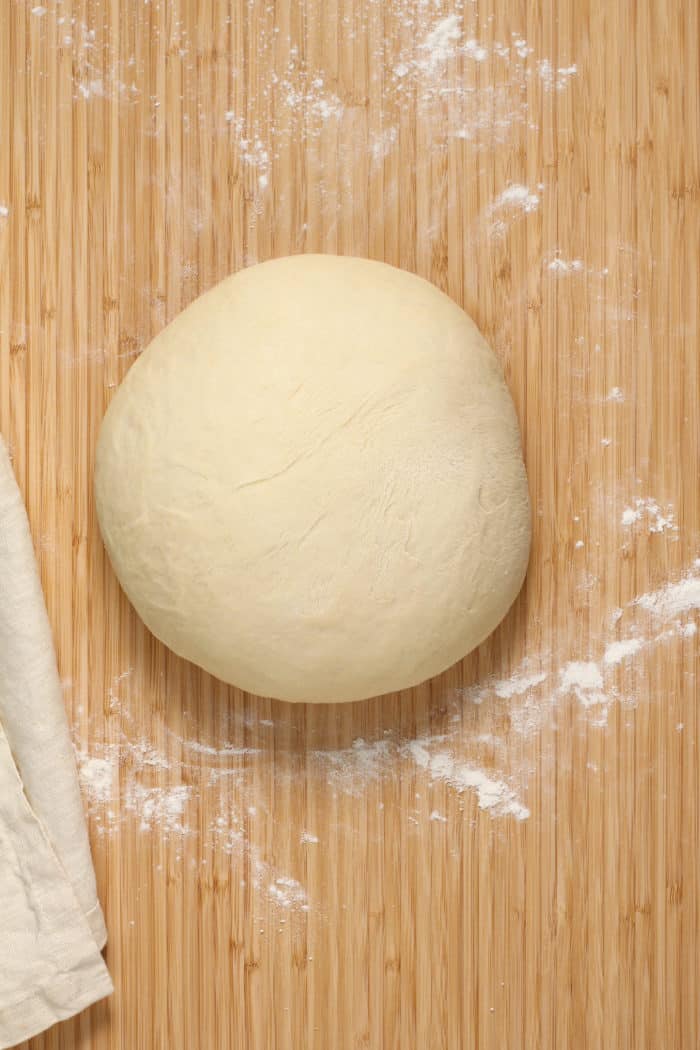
(311,482)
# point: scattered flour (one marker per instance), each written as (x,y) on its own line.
(516,685)
(521,47)
(97,777)
(288,893)
(516,198)
(4,211)
(492,793)
(562,267)
(476,51)
(484,83)
(133,780)
(674,599)
(554,79)
(227,751)
(121,782)
(564,74)
(351,768)
(280,890)
(650,511)
(440,45)
(616,652)
(163,807)
(583,678)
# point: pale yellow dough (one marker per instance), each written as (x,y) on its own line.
(311,482)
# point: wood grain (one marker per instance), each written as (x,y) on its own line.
(147,149)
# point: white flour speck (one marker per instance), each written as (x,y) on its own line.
(516,197)
(674,599)
(649,510)
(492,793)
(584,679)
(616,652)
(564,73)
(97,777)
(475,50)
(554,78)
(521,46)
(288,893)
(441,43)
(381,144)
(562,267)
(546,72)
(164,807)
(516,685)
(226,751)
(359,763)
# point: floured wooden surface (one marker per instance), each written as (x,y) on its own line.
(508,856)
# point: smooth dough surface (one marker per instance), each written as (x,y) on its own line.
(311,482)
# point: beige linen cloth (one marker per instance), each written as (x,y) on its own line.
(51,924)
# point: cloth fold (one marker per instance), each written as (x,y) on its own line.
(51,923)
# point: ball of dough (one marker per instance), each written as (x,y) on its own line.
(311,482)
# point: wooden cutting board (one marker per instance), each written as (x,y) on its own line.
(507,856)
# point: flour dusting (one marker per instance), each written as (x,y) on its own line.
(616,652)
(492,793)
(97,777)
(518,684)
(288,893)
(352,768)
(592,682)
(440,45)
(158,806)
(471,757)
(583,678)
(649,511)
(516,197)
(555,79)
(481,86)
(563,267)
(673,600)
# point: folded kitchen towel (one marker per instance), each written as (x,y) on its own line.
(51,924)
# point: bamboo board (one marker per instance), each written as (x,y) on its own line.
(539,162)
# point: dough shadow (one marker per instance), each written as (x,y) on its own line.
(216,720)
